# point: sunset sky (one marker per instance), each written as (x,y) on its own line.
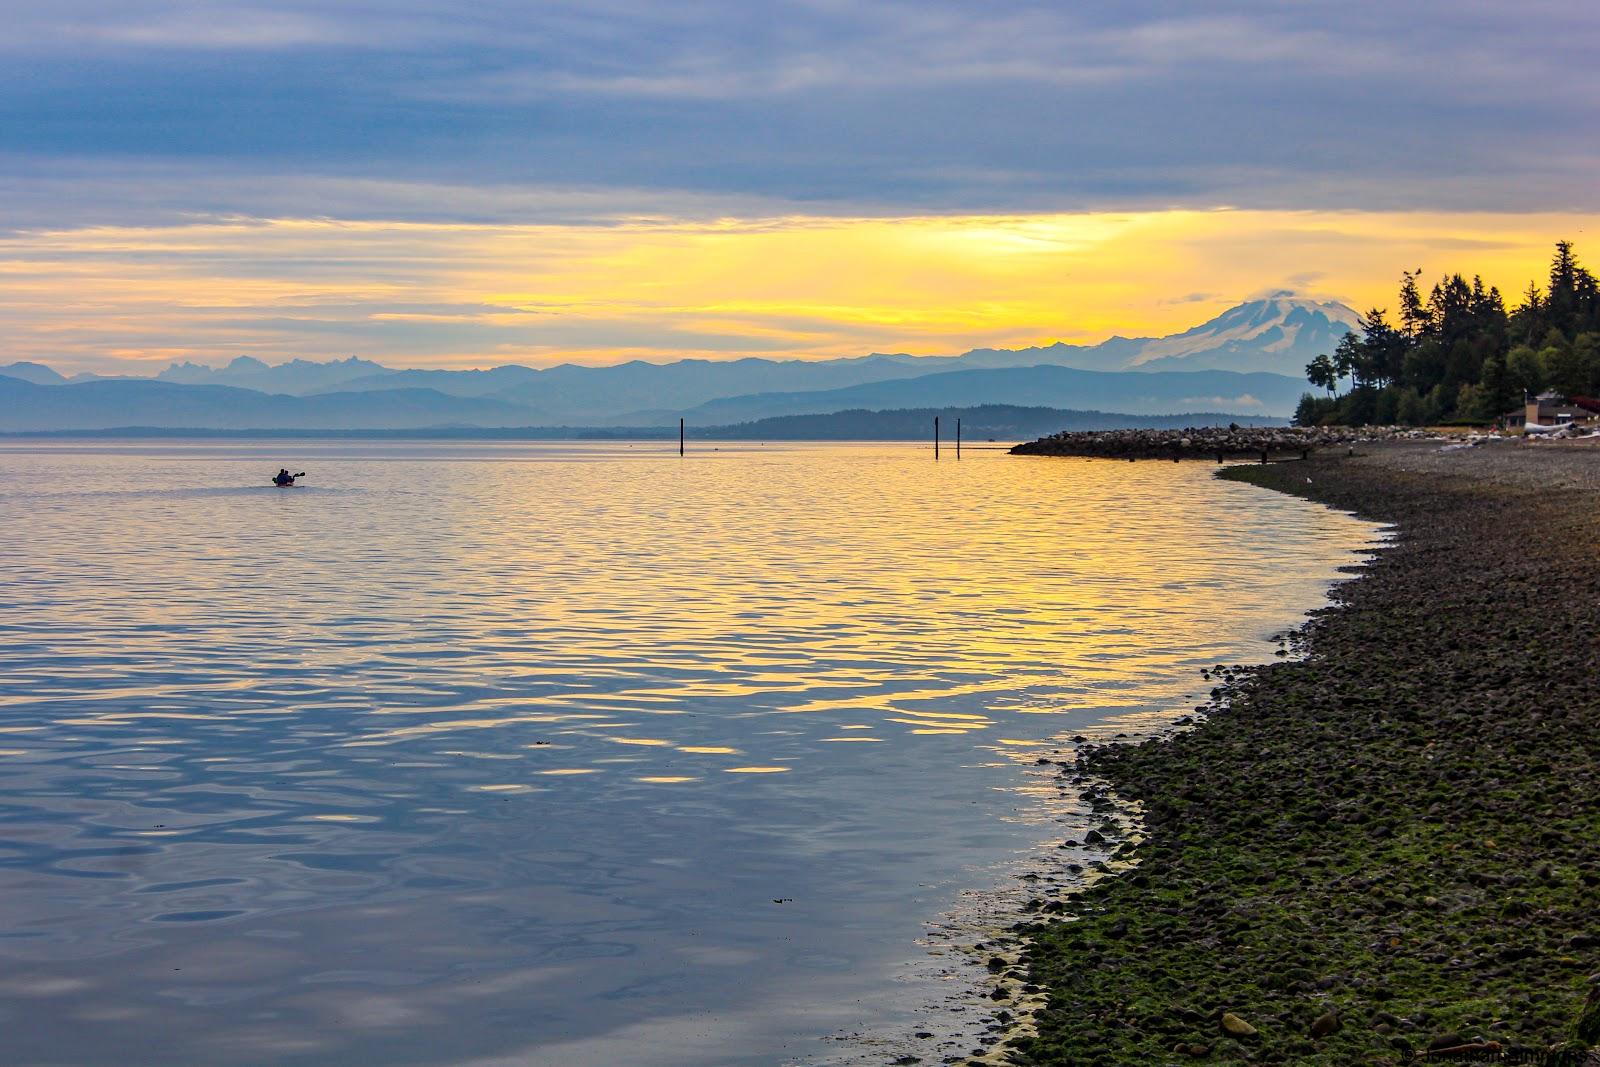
(613,179)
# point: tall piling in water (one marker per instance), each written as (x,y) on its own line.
(680,437)
(936,437)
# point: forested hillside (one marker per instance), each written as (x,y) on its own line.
(1458,355)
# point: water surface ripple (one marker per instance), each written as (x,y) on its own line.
(531,753)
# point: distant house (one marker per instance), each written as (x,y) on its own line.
(1553,409)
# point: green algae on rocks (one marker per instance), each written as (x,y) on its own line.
(1392,844)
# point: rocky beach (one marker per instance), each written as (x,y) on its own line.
(1387,844)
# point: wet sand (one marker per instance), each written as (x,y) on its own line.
(1389,843)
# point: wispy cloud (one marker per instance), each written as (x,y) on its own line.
(239,29)
(1242,402)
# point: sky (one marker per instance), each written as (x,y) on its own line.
(466,185)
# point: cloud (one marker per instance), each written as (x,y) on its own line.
(245,29)
(859,108)
(1222,403)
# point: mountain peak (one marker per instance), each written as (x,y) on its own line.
(37,373)
(1279,332)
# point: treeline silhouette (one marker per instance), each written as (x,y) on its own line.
(1459,356)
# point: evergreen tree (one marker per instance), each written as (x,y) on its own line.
(1450,310)
(1497,392)
(1574,299)
(1381,351)
(1527,321)
(1322,373)
(1347,358)
(1415,319)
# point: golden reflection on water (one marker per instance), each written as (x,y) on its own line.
(533,598)
(481,710)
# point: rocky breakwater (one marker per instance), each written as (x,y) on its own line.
(1210,442)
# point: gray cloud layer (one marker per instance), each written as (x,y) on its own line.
(539,110)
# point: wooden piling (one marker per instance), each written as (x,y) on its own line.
(936,437)
(680,437)
(958,438)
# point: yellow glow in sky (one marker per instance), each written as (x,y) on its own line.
(450,295)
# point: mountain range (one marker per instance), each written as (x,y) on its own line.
(1249,360)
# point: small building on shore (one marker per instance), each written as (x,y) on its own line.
(1553,409)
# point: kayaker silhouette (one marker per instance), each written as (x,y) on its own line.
(283,479)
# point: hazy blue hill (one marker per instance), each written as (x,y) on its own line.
(37,373)
(1050,386)
(999,422)
(119,404)
(599,393)
(104,404)
(494,382)
(1110,354)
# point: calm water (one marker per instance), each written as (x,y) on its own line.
(529,754)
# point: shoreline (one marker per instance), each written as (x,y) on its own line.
(1389,845)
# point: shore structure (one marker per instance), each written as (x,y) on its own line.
(1384,850)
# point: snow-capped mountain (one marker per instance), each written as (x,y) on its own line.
(1281,333)
(1278,334)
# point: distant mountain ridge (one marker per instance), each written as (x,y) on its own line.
(114,402)
(123,402)
(986,422)
(1127,392)
(37,373)
(296,376)
(1267,341)
(997,422)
